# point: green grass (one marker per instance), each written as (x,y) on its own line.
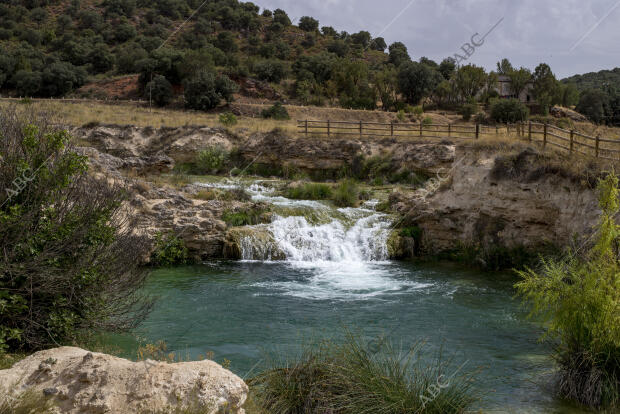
(346,194)
(352,377)
(244,217)
(310,191)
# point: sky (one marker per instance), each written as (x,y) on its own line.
(572,36)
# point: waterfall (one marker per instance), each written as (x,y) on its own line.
(304,231)
(300,241)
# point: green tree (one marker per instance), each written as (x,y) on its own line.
(398,54)
(206,90)
(280,17)
(27,83)
(469,80)
(378,44)
(308,24)
(508,111)
(519,80)
(60,78)
(270,70)
(386,85)
(545,87)
(447,67)
(417,81)
(362,38)
(101,59)
(594,104)
(69,251)
(504,67)
(569,95)
(226,42)
(159,90)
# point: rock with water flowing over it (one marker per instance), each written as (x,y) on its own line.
(80,381)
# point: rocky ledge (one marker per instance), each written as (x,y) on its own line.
(80,381)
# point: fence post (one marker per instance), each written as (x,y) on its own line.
(597,144)
(545,137)
(477,131)
(306,127)
(328,128)
(496,129)
(449,129)
(421,126)
(572,134)
(361,128)
(529,133)
(392,128)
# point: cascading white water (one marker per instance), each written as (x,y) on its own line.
(301,241)
(354,235)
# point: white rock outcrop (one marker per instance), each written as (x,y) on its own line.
(80,381)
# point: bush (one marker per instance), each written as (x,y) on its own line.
(578,298)
(427,121)
(356,377)
(346,194)
(468,110)
(211,160)
(277,111)
(160,90)
(69,253)
(206,90)
(169,251)
(228,119)
(508,111)
(310,191)
(270,70)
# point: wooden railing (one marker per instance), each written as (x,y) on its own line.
(571,141)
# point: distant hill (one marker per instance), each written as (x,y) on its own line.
(596,80)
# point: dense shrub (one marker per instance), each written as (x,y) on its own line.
(206,90)
(60,78)
(244,217)
(578,298)
(270,70)
(276,111)
(211,160)
(508,111)
(594,104)
(169,250)
(159,90)
(228,119)
(69,255)
(469,110)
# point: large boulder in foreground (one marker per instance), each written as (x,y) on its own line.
(80,381)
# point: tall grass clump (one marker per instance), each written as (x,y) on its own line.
(578,298)
(310,191)
(346,194)
(354,378)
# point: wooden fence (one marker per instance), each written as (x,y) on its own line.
(571,141)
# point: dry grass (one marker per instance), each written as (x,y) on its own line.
(127,113)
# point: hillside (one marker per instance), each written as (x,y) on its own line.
(185,53)
(596,80)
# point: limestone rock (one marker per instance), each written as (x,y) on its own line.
(80,381)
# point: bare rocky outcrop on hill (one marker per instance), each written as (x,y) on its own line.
(79,381)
